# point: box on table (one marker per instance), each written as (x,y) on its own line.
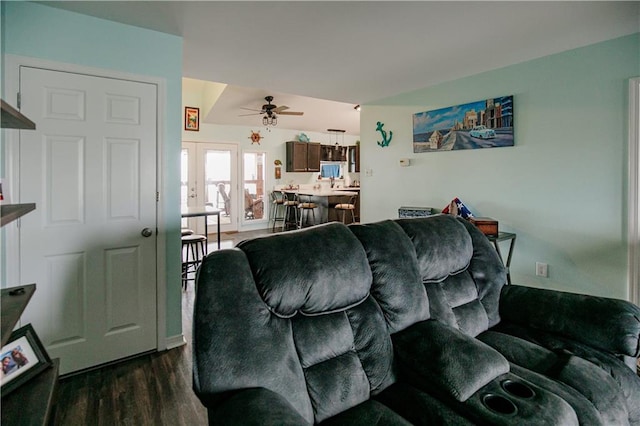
(486,225)
(405,212)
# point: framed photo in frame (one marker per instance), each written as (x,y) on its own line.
(192,118)
(23,357)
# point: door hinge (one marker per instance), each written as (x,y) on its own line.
(18,100)
(157,196)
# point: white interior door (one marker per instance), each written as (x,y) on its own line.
(90,167)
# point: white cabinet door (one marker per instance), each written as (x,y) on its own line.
(90,167)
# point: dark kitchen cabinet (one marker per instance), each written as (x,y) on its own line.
(303,157)
(354,159)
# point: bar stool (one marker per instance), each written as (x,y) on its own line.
(290,203)
(276,208)
(348,206)
(193,251)
(305,205)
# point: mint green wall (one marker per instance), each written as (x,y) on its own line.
(561,188)
(43,32)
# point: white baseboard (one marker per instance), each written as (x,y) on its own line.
(175,341)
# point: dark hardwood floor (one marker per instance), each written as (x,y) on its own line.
(152,389)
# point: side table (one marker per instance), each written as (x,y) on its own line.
(504,236)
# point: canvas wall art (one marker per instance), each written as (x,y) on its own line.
(481,124)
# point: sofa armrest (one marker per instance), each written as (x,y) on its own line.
(256,406)
(444,360)
(610,325)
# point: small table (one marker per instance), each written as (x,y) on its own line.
(197,211)
(504,236)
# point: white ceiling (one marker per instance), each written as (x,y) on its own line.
(357,52)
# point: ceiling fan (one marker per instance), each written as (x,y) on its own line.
(270,110)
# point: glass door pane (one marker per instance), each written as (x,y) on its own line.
(218,168)
(253,183)
(188,181)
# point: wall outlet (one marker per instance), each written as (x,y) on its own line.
(542,269)
(368,172)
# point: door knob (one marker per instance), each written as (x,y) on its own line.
(146,232)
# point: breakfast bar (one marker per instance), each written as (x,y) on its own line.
(325,198)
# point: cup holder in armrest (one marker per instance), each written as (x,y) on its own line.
(518,389)
(499,404)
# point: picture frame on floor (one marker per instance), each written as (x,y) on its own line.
(23,357)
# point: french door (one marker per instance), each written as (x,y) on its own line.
(210,177)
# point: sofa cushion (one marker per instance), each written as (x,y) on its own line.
(346,356)
(596,385)
(576,316)
(443,246)
(487,271)
(456,302)
(256,407)
(237,341)
(626,379)
(460,269)
(443,360)
(324,270)
(397,284)
(369,413)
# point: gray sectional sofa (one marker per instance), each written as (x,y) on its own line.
(405,321)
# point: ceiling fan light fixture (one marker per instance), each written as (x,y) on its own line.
(270,119)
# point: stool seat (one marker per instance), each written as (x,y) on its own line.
(345,206)
(307,205)
(185,231)
(194,248)
(193,238)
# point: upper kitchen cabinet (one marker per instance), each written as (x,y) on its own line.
(333,153)
(303,157)
(354,159)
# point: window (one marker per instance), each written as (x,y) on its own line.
(330,171)
(254,184)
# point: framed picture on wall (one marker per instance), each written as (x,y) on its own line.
(482,124)
(192,118)
(23,357)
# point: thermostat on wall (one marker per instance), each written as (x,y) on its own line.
(405,162)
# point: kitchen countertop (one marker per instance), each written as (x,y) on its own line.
(337,192)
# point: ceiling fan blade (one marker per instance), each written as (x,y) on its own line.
(291,113)
(253,109)
(279,109)
(253,113)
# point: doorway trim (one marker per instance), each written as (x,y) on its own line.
(633,237)
(12,66)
